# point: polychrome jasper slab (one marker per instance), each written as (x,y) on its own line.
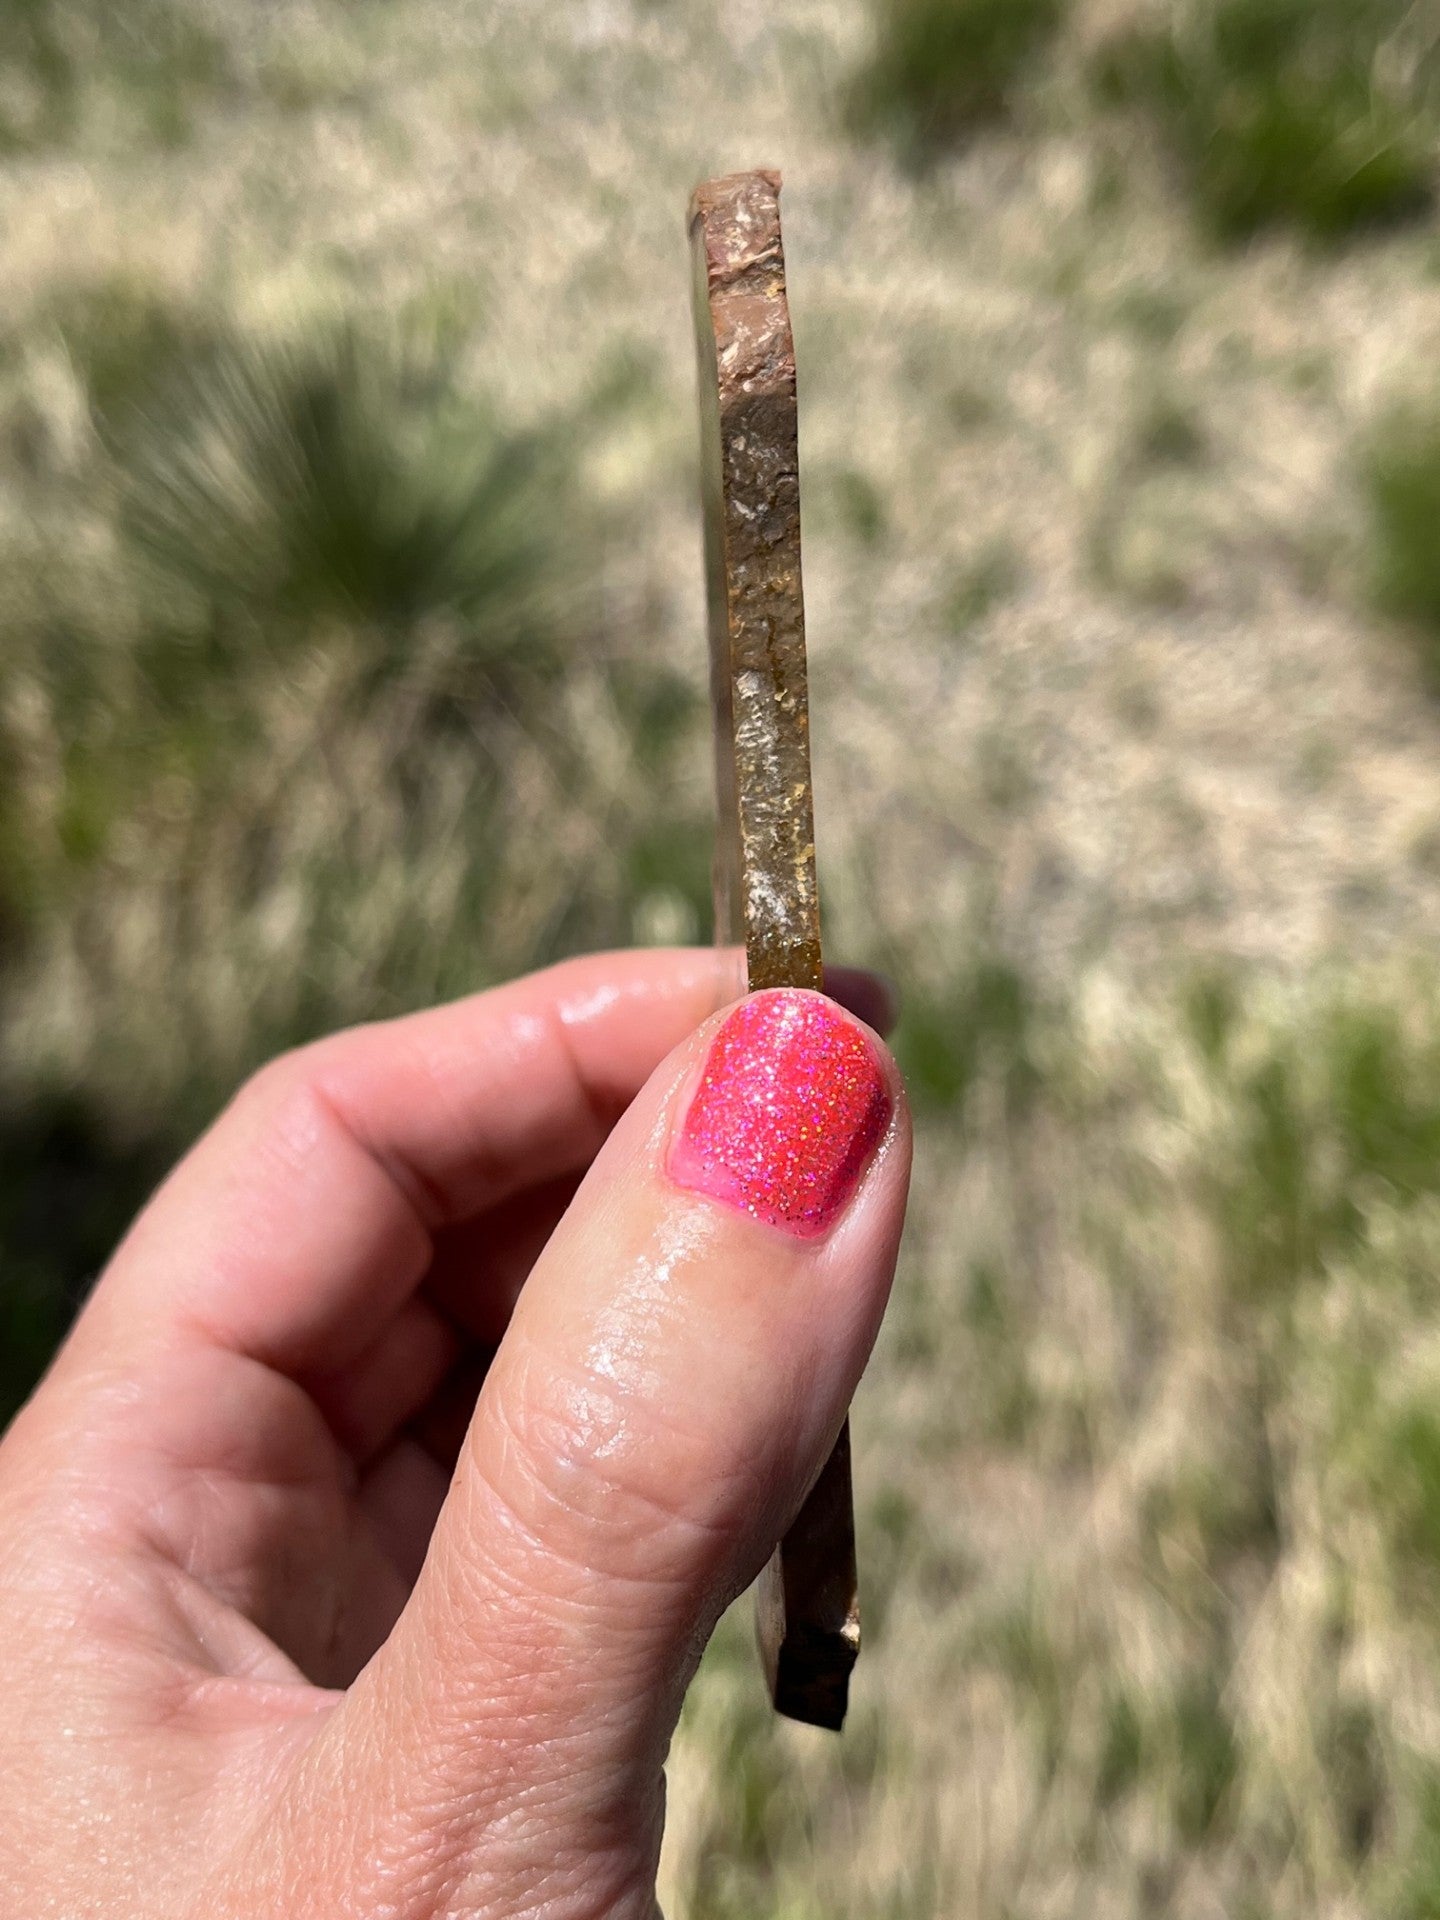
(808,1616)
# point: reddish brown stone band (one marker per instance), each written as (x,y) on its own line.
(808,1615)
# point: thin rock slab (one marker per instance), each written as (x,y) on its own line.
(807,1614)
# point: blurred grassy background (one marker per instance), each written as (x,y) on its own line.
(350,655)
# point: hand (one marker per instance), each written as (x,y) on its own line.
(291,1623)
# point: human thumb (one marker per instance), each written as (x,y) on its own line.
(674,1375)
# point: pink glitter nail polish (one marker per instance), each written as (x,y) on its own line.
(790,1106)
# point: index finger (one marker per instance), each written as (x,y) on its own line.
(304,1217)
(298,1223)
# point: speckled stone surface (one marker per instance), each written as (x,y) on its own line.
(766,891)
(808,1616)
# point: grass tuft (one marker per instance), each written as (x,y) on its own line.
(280,488)
(981,1021)
(125,340)
(1416,1895)
(1315,114)
(1205,1756)
(1401,477)
(938,69)
(317,534)
(159,63)
(1324,1120)
(993,576)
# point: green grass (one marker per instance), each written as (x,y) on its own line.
(1401,480)
(1408,1478)
(126,341)
(992,577)
(148,66)
(1318,115)
(1416,1894)
(981,1019)
(857,506)
(997,1329)
(309,662)
(283,488)
(1205,1755)
(1169,433)
(323,503)
(1264,1192)
(298,726)
(938,69)
(1323,1119)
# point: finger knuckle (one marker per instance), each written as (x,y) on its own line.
(608,1475)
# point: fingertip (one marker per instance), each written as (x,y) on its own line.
(783,1118)
(674,1374)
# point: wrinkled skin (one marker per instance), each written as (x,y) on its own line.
(291,1622)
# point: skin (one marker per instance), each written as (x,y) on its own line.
(294,1624)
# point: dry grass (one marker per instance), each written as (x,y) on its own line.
(1117,771)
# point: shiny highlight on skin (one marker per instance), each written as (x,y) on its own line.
(790,1106)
